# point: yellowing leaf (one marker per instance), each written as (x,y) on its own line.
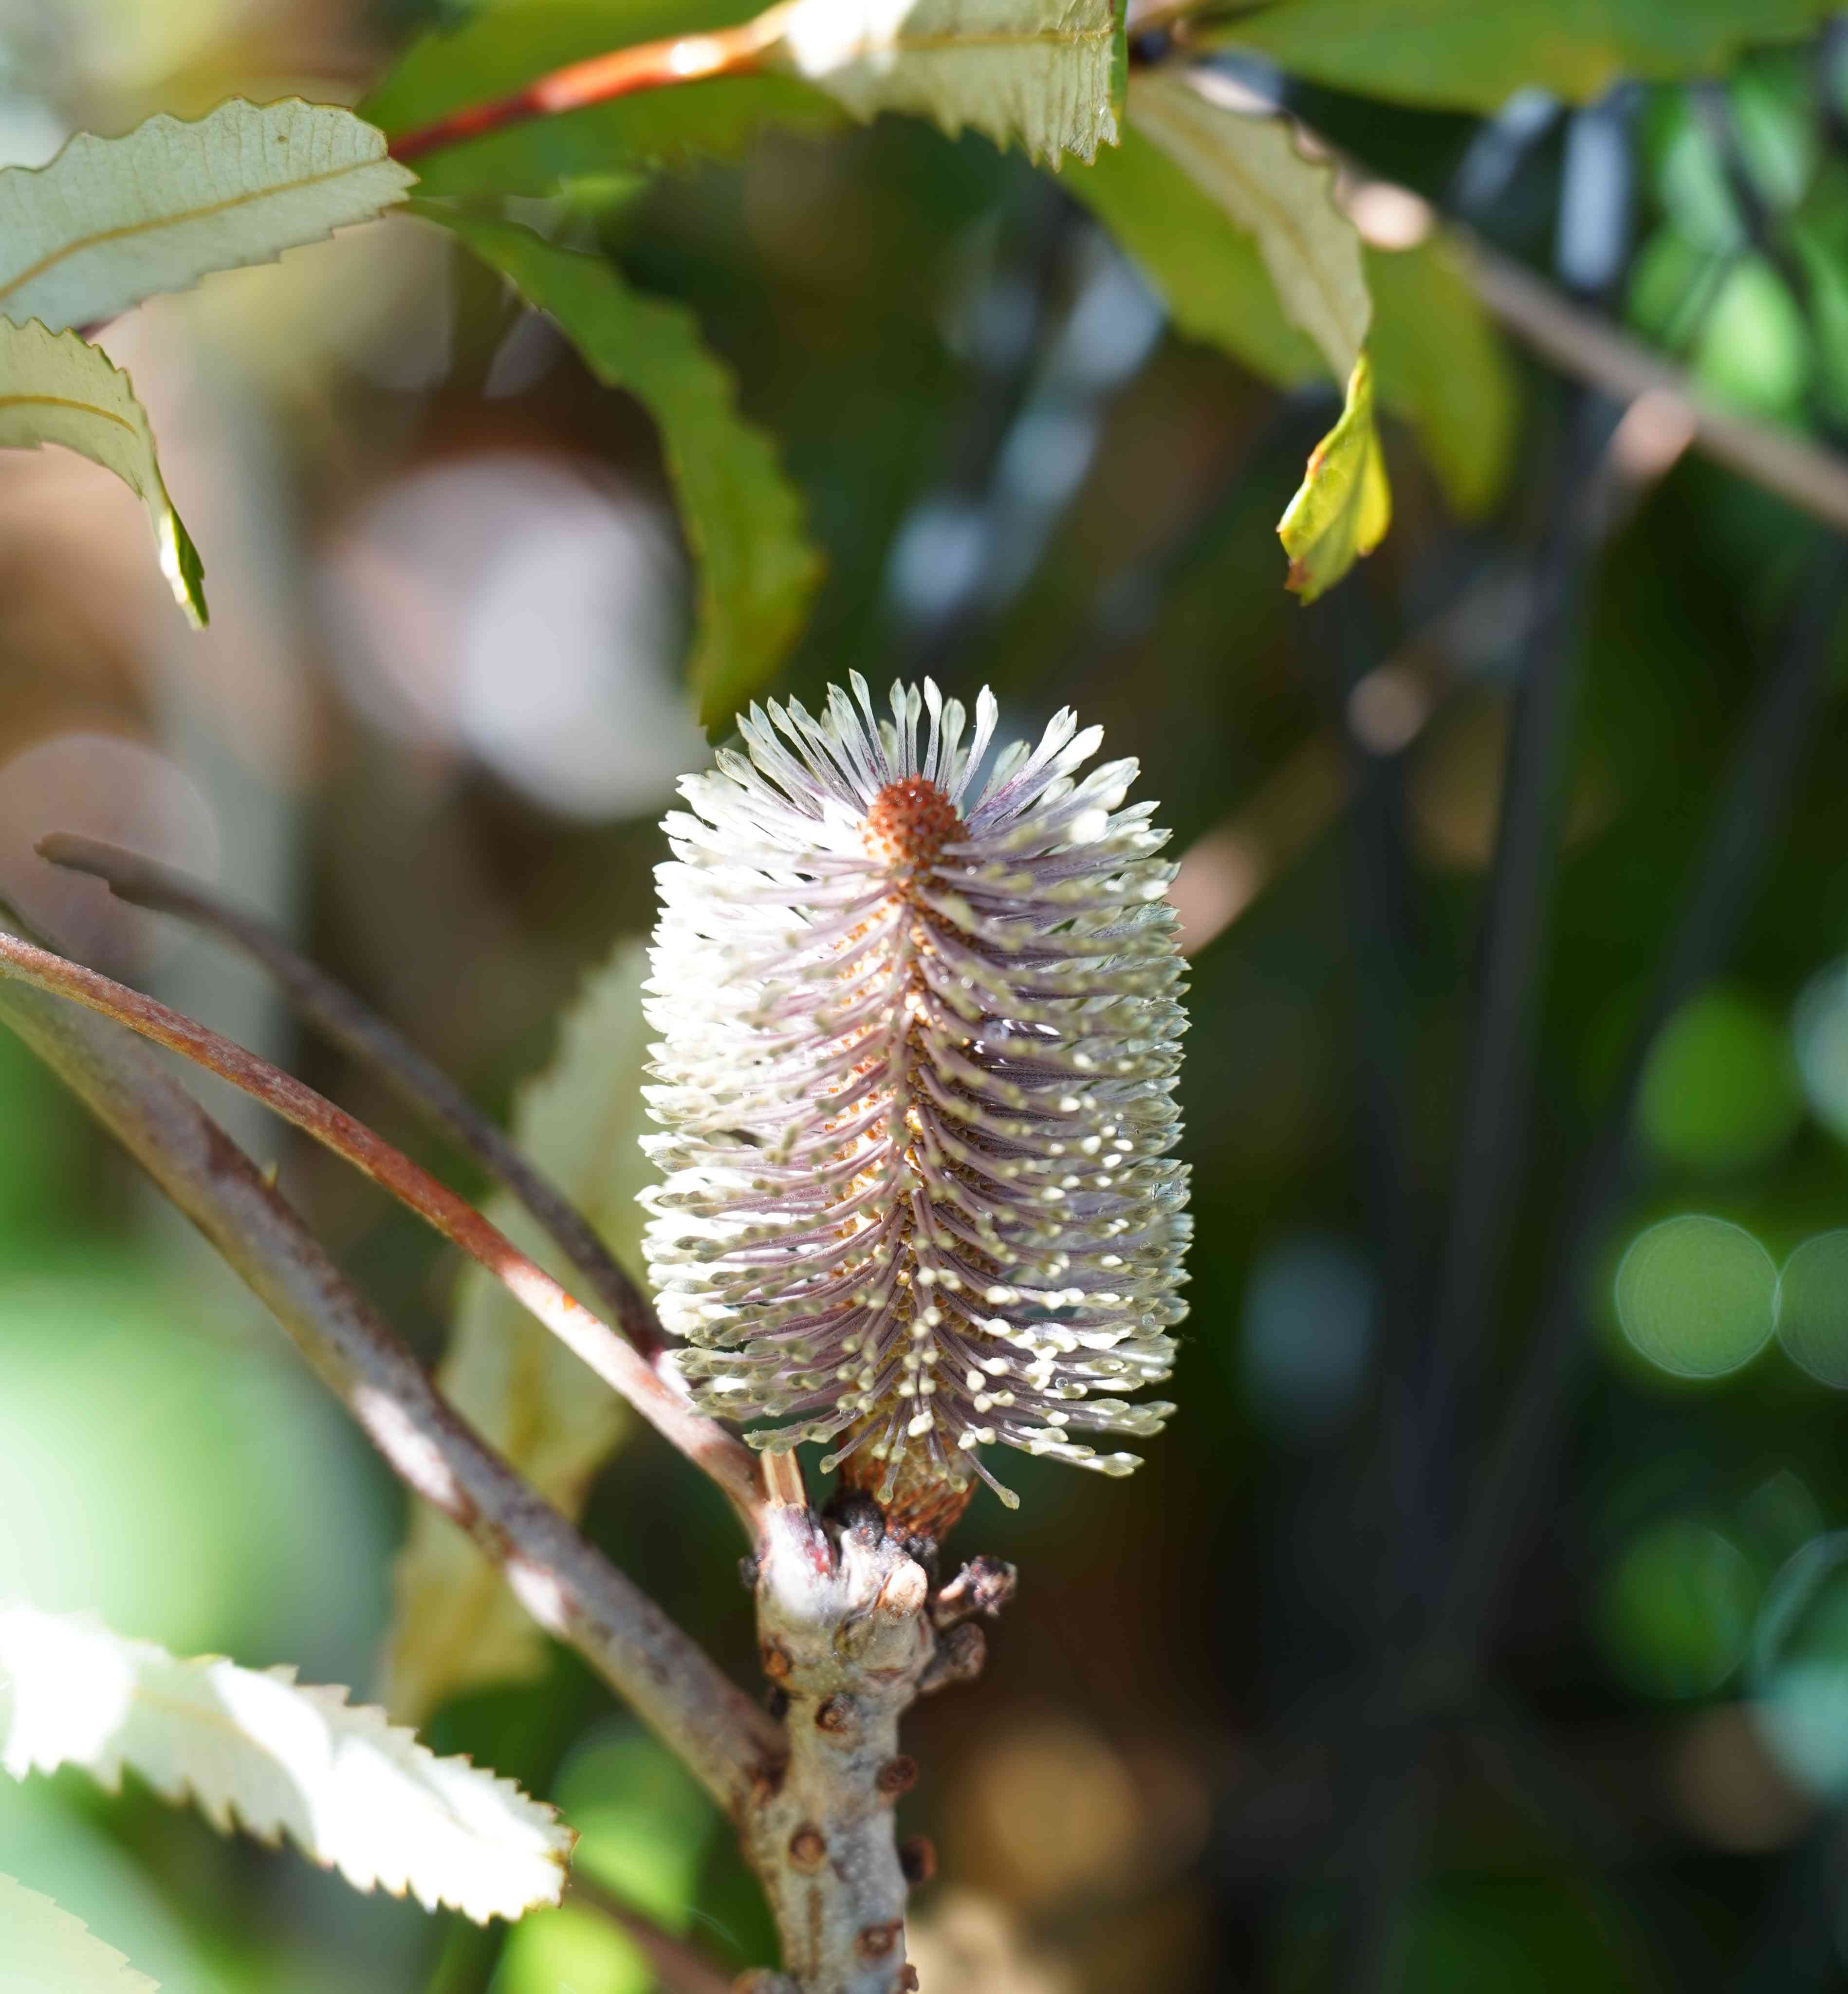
(743,520)
(57,388)
(1251,168)
(44,1950)
(1438,361)
(456,1623)
(1046,73)
(258,1749)
(110,221)
(1343,507)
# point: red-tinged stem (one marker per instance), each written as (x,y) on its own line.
(656,1397)
(143,882)
(621,72)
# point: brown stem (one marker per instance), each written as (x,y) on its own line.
(845,1634)
(1803,473)
(330,1005)
(565,1583)
(654,1392)
(621,72)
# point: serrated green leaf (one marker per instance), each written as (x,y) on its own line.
(44,1950)
(501,48)
(757,570)
(255,1749)
(110,221)
(1046,74)
(455,1623)
(56,387)
(1343,507)
(1438,360)
(1475,56)
(1251,168)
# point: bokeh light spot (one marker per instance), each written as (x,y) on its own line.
(1720,1091)
(1306,1332)
(1812,1308)
(1696,1296)
(1819,1034)
(1674,1611)
(1800,1668)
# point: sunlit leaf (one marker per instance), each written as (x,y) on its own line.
(1439,363)
(1342,507)
(57,388)
(456,1624)
(1251,168)
(258,1750)
(1476,56)
(1207,269)
(743,519)
(44,1950)
(1246,170)
(110,221)
(499,48)
(1046,74)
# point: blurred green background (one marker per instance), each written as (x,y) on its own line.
(431,732)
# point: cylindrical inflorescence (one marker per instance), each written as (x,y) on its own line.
(919,1040)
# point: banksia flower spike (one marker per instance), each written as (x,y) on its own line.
(919,1037)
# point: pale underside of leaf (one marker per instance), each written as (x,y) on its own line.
(743,519)
(1046,74)
(1251,166)
(256,1749)
(110,221)
(455,1623)
(1343,507)
(56,387)
(1475,56)
(1438,361)
(44,1950)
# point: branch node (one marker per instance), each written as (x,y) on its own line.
(984,1585)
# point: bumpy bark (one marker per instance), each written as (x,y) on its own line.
(850,1635)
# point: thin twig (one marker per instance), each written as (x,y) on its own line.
(621,72)
(675,1964)
(567,1585)
(653,1393)
(328,1004)
(1811,478)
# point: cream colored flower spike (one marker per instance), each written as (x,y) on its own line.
(921,1028)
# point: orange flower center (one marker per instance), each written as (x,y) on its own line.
(909,824)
